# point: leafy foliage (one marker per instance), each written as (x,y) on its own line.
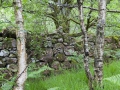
(76,80)
(8,84)
(114,79)
(33,73)
(76,58)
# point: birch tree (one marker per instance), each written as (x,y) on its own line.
(99,47)
(20,34)
(98,63)
(86,50)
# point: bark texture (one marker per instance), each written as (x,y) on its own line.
(99,47)
(20,34)
(86,50)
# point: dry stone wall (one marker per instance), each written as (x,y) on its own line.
(57,47)
(8,52)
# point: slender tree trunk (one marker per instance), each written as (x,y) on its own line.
(86,50)
(20,34)
(99,47)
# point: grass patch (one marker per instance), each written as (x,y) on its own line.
(73,80)
(70,80)
(110,71)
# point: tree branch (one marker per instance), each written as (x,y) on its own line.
(89,17)
(73,6)
(73,21)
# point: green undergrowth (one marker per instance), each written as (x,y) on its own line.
(74,80)
(111,73)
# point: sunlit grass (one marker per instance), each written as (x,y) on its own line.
(73,80)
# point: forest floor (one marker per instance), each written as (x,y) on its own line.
(76,80)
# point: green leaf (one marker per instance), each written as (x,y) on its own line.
(114,79)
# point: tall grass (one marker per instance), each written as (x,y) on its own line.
(111,70)
(73,80)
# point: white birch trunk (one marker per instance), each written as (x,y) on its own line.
(86,50)
(20,34)
(98,64)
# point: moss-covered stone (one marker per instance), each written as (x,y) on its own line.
(60,57)
(59,46)
(66,65)
(55,65)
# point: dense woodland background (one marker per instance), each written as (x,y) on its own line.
(53,43)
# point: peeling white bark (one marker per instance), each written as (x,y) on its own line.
(20,34)
(99,48)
